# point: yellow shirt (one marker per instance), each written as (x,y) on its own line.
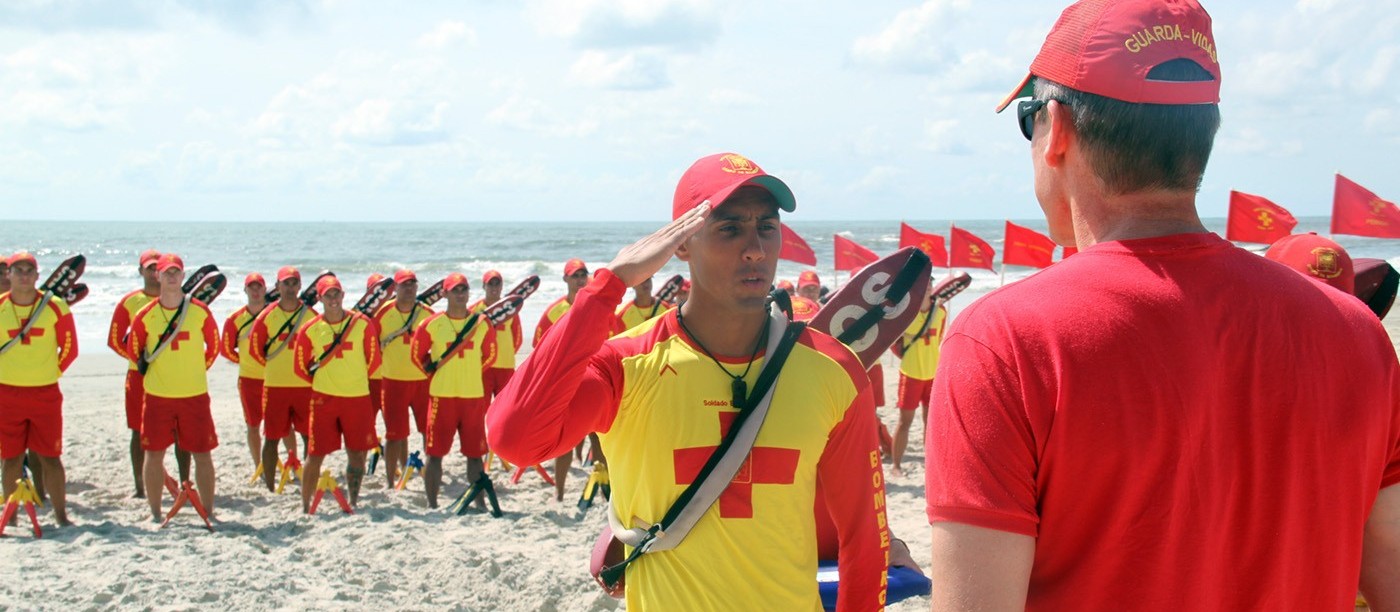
(345,372)
(631,315)
(45,352)
(508,338)
(179,371)
(459,376)
(398,363)
(234,343)
(921,358)
(117,332)
(279,370)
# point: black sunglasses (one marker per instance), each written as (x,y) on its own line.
(1025,115)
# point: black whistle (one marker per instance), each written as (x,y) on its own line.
(741,390)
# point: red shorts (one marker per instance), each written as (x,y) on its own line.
(493,380)
(914,392)
(461,416)
(250,393)
(877,383)
(375,399)
(31,418)
(188,418)
(398,396)
(284,408)
(135,398)
(333,417)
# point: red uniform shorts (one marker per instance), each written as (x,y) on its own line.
(376,398)
(398,396)
(914,392)
(877,383)
(188,418)
(135,398)
(493,380)
(250,393)
(461,416)
(284,408)
(31,418)
(334,417)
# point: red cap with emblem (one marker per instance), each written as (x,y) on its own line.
(254,279)
(715,177)
(326,284)
(808,278)
(405,275)
(1317,258)
(22,257)
(489,276)
(1109,47)
(455,280)
(168,261)
(149,256)
(574,265)
(286,272)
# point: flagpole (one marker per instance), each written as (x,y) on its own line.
(1003,272)
(950,248)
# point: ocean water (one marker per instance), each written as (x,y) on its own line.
(356,250)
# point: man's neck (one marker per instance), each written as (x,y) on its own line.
(289,304)
(405,305)
(572,294)
(644,300)
(334,316)
(1099,218)
(23,296)
(725,332)
(255,307)
(457,311)
(171,298)
(151,289)
(491,299)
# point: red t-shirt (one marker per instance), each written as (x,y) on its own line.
(1179,423)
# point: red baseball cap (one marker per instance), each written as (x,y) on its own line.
(373,280)
(455,280)
(254,279)
(405,275)
(1317,258)
(1108,47)
(785,285)
(148,257)
(715,177)
(22,256)
(326,284)
(286,272)
(168,261)
(808,278)
(491,274)
(574,265)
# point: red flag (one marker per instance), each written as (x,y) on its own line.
(1067,251)
(1027,247)
(969,251)
(931,244)
(796,249)
(851,256)
(1256,219)
(1359,212)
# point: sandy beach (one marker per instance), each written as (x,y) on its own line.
(394,552)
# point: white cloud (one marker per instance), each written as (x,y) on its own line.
(940,136)
(878,178)
(733,98)
(79,83)
(916,39)
(636,71)
(447,33)
(382,121)
(1251,141)
(532,115)
(600,24)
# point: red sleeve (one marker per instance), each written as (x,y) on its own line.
(136,340)
(853,485)
(228,345)
(67,336)
(488,348)
(257,339)
(419,346)
(567,388)
(980,443)
(303,353)
(121,324)
(211,337)
(373,356)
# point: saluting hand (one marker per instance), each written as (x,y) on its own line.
(644,258)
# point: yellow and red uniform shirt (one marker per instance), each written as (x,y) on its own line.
(660,407)
(630,315)
(179,370)
(46,351)
(345,373)
(279,370)
(920,360)
(127,307)
(505,352)
(551,315)
(238,332)
(398,361)
(459,376)
(804,309)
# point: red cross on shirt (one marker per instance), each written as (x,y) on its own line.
(175,344)
(764,465)
(462,348)
(340,350)
(33,333)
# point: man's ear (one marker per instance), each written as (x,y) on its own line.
(683,251)
(1059,133)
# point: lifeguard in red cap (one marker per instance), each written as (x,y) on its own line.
(1163,421)
(177,338)
(404,387)
(641,308)
(36,348)
(576,276)
(1317,258)
(118,334)
(335,353)
(809,288)
(233,344)
(917,350)
(663,394)
(286,401)
(508,337)
(454,357)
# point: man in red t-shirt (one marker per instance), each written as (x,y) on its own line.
(1163,421)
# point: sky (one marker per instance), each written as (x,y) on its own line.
(565,110)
